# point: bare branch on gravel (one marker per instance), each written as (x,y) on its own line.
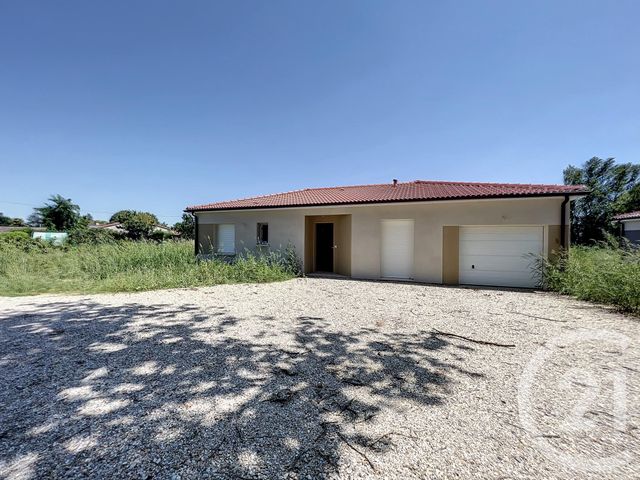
(473,340)
(389,434)
(362,454)
(539,318)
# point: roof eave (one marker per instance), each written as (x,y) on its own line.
(573,195)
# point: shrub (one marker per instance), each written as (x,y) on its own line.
(160,236)
(15,234)
(286,259)
(604,273)
(27,230)
(93,236)
(22,240)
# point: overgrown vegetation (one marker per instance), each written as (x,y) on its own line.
(186,227)
(29,267)
(614,188)
(11,222)
(603,273)
(137,225)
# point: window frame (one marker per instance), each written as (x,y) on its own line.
(259,231)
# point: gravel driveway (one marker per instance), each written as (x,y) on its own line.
(318,378)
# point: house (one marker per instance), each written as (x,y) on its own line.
(119,228)
(112,226)
(630,226)
(426,231)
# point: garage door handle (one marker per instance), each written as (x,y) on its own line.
(473,266)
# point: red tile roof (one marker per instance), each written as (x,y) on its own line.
(628,216)
(416,191)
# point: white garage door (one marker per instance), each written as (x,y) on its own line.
(499,256)
(397,249)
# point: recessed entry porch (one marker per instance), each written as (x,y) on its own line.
(327,244)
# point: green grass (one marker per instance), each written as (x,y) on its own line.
(128,266)
(602,274)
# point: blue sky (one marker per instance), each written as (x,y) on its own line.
(156,105)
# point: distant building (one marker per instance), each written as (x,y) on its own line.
(56,238)
(630,226)
(119,228)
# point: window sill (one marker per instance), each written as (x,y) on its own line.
(262,244)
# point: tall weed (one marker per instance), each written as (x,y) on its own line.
(605,273)
(130,266)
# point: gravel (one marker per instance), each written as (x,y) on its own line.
(318,378)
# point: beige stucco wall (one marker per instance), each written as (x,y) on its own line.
(631,225)
(341,239)
(288,226)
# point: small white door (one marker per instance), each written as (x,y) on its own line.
(397,249)
(500,256)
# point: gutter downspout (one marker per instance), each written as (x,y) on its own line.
(195,217)
(563,221)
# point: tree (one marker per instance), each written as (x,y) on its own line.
(35,220)
(187,227)
(630,200)
(139,225)
(84,221)
(11,222)
(614,188)
(59,214)
(123,215)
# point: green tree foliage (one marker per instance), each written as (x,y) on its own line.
(140,225)
(187,227)
(92,236)
(615,188)
(124,215)
(630,200)
(59,214)
(11,222)
(22,240)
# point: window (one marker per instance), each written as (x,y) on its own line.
(263,234)
(226,239)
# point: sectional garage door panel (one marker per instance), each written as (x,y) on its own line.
(397,249)
(500,256)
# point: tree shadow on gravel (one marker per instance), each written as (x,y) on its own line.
(91,390)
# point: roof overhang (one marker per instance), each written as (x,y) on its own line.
(571,196)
